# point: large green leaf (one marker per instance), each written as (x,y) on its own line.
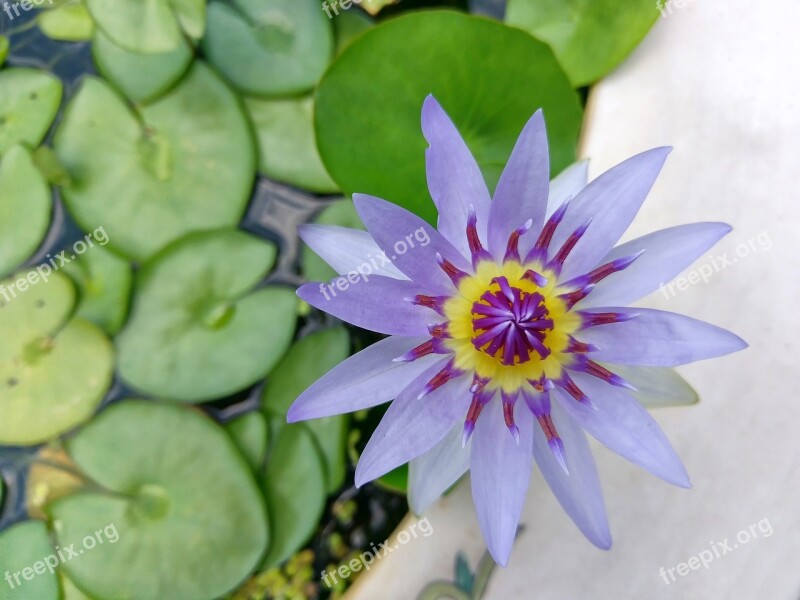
(490,78)
(53,372)
(198,330)
(104,282)
(187,515)
(25,207)
(589,37)
(269,47)
(288,148)
(295,490)
(184,163)
(141,77)
(250,434)
(149,26)
(29,101)
(305,362)
(22,548)
(69,23)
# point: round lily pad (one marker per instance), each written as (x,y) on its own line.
(149,27)
(182,517)
(305,362)
(589,37)
(269,47)
(68,23)
(288,148)
(198,330)
(141,77)
(295,491)
(348,26)
(53,372)
(23,549)
(250,433)
(29,101)
(69,591)
(104,282)
(25,208)
(490,79)
(187,162)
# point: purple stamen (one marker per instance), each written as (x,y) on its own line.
(573,390)
(433,302)
(593,319)
(479,253)
(602,271)
(446,374)
(509,401)
(512,249)
(479,400)
(578,347)
(430,347)
(535,277)
(439,330)
(572,298)
(453,272)
(539,251)
(561,256)
(592,368)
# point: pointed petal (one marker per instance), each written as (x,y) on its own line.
(579,493)
(620,423)
(410,243)
(611,201)
(666,254)
(521,193)
(377,304)
(348,250)
(366,379)
(656,338)
(431,474)
(567,184)
(500,471)
(414,425)
(454,178)
(657,387)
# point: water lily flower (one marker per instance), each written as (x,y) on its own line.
(504,328)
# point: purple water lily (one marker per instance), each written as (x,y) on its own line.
(504,327)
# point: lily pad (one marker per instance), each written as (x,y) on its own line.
(25,208)
(69,591)
(295,492)
(4,45)
(187,162)
(67,23)
(149,27)
(269,47)
(249,432)
(305,362)
(141,77)
(657,387)
(490,78)
(29,101)
(51,476)
(179,485)
(104,282)
(342,213)
(589,37)
(288,147)
(348,26)
(198,330)
(23,549)
(53,372)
